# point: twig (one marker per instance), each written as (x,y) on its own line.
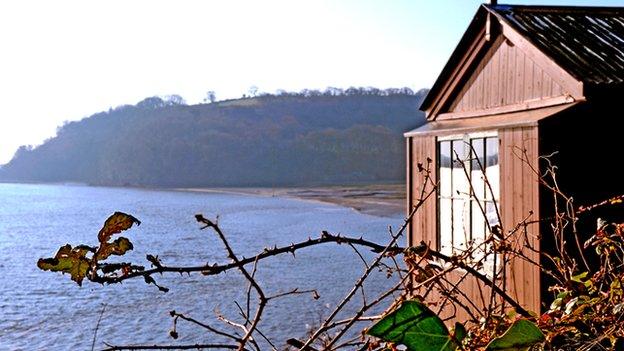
(242,313)
(295,291)
(299,344)
(482,278)
(252,281)
(171,347)
(97,326)
(205,326)
(248,299)
(359,254)
(373,265)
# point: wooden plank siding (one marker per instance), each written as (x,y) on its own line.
(424,224)
(518,197)
(505,76)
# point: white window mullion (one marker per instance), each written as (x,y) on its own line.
(460,212)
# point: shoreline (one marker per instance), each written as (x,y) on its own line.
(381,200)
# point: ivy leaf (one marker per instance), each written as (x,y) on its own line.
(415,326)
(519,337)
(116,223)
(68,260)
(118,247)
(459,332)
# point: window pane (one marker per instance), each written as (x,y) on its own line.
(488,264)
(476,173)
(478,222)
(460,183)
(492,170)
(490,213)
(460,224)
(446,227)
(461,220)
(445,168)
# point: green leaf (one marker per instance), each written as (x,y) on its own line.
(117,247)
(116,223)
(519,337)
(459,332)
(68,260)
(416,327)
(579,277)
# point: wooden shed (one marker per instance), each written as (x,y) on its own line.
(524,81)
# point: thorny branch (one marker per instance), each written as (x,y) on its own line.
(358,285)
(262,298)
(391,249)
(427,270)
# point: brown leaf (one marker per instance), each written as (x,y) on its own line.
(118,247)
(116,223)
(68,260)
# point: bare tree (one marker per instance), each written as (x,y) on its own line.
(211,96)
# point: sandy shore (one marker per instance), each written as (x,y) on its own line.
(379,200)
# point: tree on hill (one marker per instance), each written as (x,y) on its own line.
(303,138)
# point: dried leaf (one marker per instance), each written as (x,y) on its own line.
(117,247)
(116,223)
(68,260)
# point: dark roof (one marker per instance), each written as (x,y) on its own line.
(586,41)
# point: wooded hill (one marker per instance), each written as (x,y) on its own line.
(307,138)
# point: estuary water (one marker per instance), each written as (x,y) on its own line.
(47,311)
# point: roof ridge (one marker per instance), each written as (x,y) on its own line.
(555,8)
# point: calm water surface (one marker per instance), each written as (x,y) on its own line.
(47,311)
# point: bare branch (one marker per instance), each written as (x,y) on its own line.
(252,281)
(171,347)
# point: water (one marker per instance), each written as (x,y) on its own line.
(44,310)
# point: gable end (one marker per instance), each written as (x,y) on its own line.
(500,71)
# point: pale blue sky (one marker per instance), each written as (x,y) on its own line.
(64,60)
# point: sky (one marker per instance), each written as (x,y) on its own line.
(65,60)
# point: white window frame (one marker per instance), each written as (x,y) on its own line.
(450,242)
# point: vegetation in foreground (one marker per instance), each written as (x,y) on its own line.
(586,312)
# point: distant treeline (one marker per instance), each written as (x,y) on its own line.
(352,91)
(310,137)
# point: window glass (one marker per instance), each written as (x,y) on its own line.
(459,181)
(463,198)
(445,169)
(492,170)
(477,222)
(459,224)
(490,213)
(446,226)
(476,167)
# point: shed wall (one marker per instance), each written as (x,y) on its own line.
(423,226)
(519,152)
(519,197)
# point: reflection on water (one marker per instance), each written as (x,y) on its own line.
(43,310)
